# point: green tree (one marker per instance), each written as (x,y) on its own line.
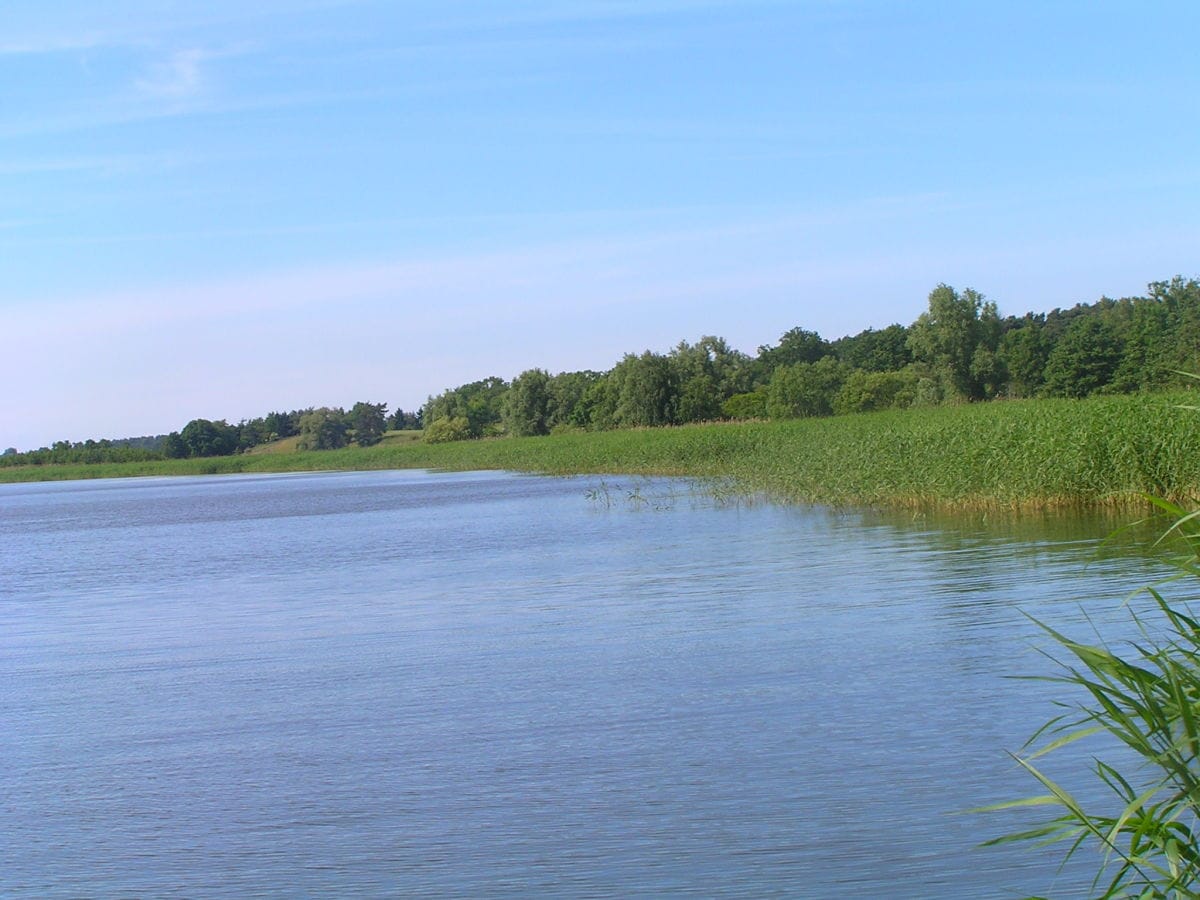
(323,429)
(203,437)
(1024,351)
(875,351)
(805,389)
(251,433)
(281,424)
(481,403)
(173,446)
(797,345)
(598,406)
(1084,360)
(566,405)
(707,373)
(1181,297)
(949,335)
(527,404)
(1147,355)
(369,420)
(404,421)
(647,391)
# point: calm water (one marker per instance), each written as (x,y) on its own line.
(490,685)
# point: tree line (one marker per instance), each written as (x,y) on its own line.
(316,428)
(959,350)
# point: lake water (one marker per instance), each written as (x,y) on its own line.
(401,683)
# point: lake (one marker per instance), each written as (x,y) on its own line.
(484,684)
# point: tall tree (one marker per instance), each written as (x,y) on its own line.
(369,420)
(949,335)
(566,392)
(647,390)
(1024,351)
(797,345)
(1085,358)
(707,373)
(527,404)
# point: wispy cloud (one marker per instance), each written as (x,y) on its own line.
(178,77)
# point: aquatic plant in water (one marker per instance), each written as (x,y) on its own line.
(1146,695)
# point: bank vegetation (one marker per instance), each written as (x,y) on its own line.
(1043,453)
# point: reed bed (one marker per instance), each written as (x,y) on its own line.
(1103,451)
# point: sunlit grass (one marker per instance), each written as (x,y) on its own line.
(1037,453)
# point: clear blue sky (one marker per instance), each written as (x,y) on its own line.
(219,209)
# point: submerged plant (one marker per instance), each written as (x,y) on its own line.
(1147,697)
(599,495)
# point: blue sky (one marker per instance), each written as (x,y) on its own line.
(219,209)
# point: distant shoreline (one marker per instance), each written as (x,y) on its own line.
(1027,454)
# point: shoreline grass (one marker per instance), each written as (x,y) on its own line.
(1102,451)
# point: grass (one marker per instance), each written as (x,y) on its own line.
(1103,451)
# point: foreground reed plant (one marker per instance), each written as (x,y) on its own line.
(1147,698)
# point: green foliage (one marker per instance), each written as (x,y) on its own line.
(959,349)
(865,391)
(598,406)
(445,430)
(323,429)
(646,391)
(1084,360)
(481,403)
(85,453)
(1146,696)
(368,421)
(401,420)
(1023,352)
(527,404)
(251,433)
(958,337)
(1181,298)
(206,438)
(750,405)
(875,351)
(805,389)
(707,373)
(281,424)
(565,404)
(796,345)
(1107,450)
(173,446)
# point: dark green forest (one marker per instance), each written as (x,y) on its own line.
(960,350)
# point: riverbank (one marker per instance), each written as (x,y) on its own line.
(1104,451)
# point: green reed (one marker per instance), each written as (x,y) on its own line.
(1100,451)
(1146,695)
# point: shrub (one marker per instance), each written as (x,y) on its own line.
(443,431)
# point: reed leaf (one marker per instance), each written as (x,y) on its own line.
(1144,695)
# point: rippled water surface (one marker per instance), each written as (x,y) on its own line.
(397,683)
